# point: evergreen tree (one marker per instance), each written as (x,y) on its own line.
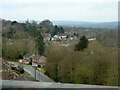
(61,30)
(40,44)
(39,39)
(11,32)
(57,30)
(30,62)
(13,22)
(82,44)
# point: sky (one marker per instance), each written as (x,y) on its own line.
(60,10)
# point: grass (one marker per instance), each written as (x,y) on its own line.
(28,65)
(16,72)
(27,73)
(19,72)
(41,70)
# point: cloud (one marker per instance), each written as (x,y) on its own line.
(52,1)
(72,10)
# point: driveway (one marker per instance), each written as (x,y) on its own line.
(39,76)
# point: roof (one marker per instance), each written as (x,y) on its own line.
(42,63)
(56,36)
(61,34)
(4,61)
(46,34)
(11,41)
(27,55)
(43,60)
(37,57)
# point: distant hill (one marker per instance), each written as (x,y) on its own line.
(109,25)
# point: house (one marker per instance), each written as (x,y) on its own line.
(4,61)
(59,37)
(75,38)
(71,38)
(42,62)
(46,36)
(62,36)
(38,60)
(11,42)
(26,58)
(91,39)
(56,36)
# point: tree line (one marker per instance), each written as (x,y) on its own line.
(84,63)
(24,32)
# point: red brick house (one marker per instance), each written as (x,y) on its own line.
(26,58)
(38,60)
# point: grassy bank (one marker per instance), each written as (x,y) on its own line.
(28,65)
(27,73)
(41,70)
(16,72)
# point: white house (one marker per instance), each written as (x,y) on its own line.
(91,39)
(56,36)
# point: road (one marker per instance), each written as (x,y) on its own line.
(39,76)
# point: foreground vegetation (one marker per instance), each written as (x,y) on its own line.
(19,70)
(97,65)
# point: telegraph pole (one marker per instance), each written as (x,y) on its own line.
(35,72)
(35,67)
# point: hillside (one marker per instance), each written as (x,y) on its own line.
(109,25)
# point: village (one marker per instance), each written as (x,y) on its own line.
(50,53)
(59,39)
(39,61)
(58,44)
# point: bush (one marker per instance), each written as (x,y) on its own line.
(30,61)
(20,69)
(14,68)
(16,72)
(82,44)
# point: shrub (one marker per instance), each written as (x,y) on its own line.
(20,69)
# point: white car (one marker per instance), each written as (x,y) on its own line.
(20,60)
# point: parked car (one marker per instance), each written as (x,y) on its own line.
(13,64)
(20,60)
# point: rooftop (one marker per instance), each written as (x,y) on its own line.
(27,55)
(11,41)
(37,57)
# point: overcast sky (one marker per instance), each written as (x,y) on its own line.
(60,10)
